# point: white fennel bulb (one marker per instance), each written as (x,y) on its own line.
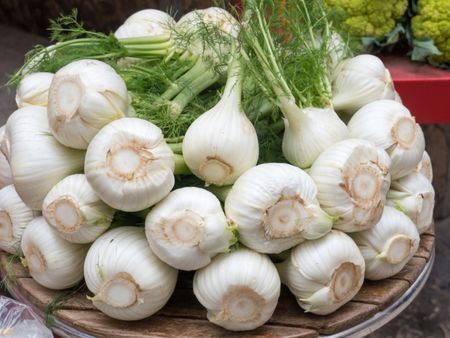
(388,245)
(414,195)
(325,273)
(240,289)
(53,262)
(14,218)
(359,81)
(74,209)
(5,169)
(274,206)
(38,161)
(129,165)
(352,179)
(222,143)
(424,167)
(398,98)
(33,90)
(188,228)
(147,22)
(128,280)
(389,125)
(310,131)
(84,96)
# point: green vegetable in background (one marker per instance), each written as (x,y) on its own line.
(431,31)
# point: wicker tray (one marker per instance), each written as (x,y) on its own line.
(183,316)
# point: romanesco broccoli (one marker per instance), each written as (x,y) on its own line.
(373,18)
(433,22)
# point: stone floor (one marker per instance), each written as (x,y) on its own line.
(427,316)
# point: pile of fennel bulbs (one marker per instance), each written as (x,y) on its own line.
(286,160)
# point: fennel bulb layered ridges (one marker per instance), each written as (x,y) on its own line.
(73,208)
(129,164)
(392,128)
(128,280)
(325,273)
(188,228)
(414,195)
(84,96)
(240,289)
(388,245)
(274,206)
(52,261)
(38,161)
(14,218)
(352,179)
(33,90)
(424,167)
(222,143)
(359,81)
(5,169)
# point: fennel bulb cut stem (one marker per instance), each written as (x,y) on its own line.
(129,164)
(188,228)
(240,289)
(128,280)
(337,280)
(222,143)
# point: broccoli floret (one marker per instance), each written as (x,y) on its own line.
(433,22)
(373,18)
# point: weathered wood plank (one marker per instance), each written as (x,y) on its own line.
(425,246)
(96,323)
(12,268)
(381,293)
(411,270)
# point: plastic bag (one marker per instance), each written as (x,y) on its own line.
(18,321)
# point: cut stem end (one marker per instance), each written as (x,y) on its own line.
(285,218)
(121,291)
(344,280)
(242,304)
(397,249)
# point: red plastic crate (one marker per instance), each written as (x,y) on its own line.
(424,89)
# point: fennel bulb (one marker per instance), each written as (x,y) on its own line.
(239,289)
(147,22)
(14,218)
(73,208)
(274,206)
(33,90)
(361,80)
(222,143)
(84,96)
(38,161)
(129,165)
(325,273)
(414,195)
(128,281)
(352,179)
(392,128)
(188,228)
(388,245)
(53,262)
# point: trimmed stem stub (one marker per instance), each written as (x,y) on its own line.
(65,214)
(121,291)
(344,280)
(129,161)
(397,249)
(242,304)
(67,93)
(184,228)
(215,170)
(35,259)
(6,227)
(284,218)
(404,131)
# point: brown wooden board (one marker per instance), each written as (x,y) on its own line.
(183,315)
